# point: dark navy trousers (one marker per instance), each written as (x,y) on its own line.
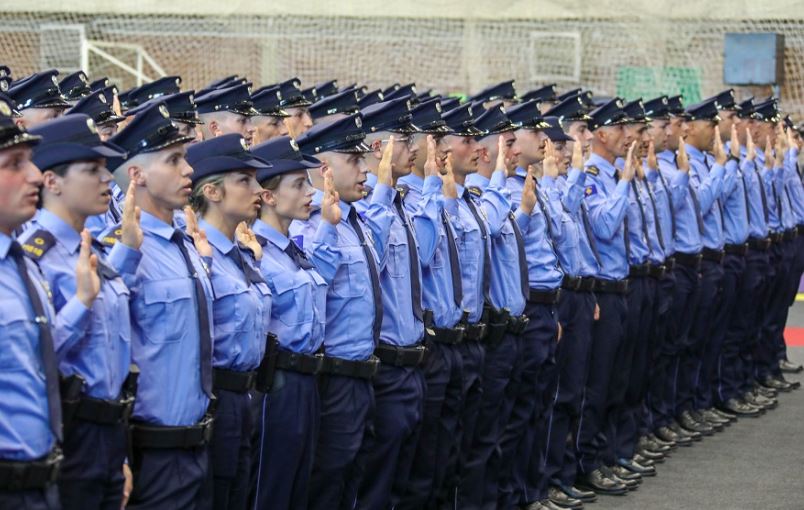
(91,476)
(45,499)
(287,420)
(170,479)
(230,452)
(656,402)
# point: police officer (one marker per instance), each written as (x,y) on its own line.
(288,402)
(349,257)
(74,87)
(606,196)
(227,110)
(270,122)
(170,430)
(98,107)
(442,293)
(225,195)
(296,105)
(335,106)
(30,427)
(387,453)
(94,342)
(157,89)
(38,98)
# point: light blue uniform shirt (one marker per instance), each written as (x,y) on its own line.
(363,204)
(299,306)
(437,294)
(24,420)
(757,226)
(98,347)
(165,328)
(338,256)
(660,187)
(506,280)
(792,181)
(688,234)
(241,311)
(607,203)
(656,253)
(571,189)
(638,240)
(99,223)
(708,186)
(544,271)
(735,207)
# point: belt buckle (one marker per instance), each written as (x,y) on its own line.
(319,363)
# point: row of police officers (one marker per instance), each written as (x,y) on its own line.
(342,298)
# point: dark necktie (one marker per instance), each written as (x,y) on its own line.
(49,363)
(252,276)
(655,216)
(413,256)
(523,263)
(747,201)
(776,197)
(484,237)
(205,339)
(298,256)
(587,227)
(669,202)
(454,268)
(105,271)
(717,200)
(697,207)
(762,195)
(548,221)
(374,274)
(626,238)
(635,187)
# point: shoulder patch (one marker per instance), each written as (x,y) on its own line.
(112,235)
(38,244)
(592,170)
(474,190)
(590,190)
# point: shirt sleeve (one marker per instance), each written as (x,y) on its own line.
(425,218)
(324,252)
(496,203)
(378,217)
(606,213)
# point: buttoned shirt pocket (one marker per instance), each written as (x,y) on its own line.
(16,330)
(352,279)
(293,300)
(167,307)
(398,265)
(229,310)
(110,315)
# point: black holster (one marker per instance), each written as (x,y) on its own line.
(267,369)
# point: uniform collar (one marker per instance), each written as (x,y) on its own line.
(460,189)
(476,180)
(695,153)
(601,164)
(412,181)
(154,225)
(5,244)
(216,237)
(65,234)
(318,197)
(521,172)
(667,155)
(371,181)
(270,234)
(346,208)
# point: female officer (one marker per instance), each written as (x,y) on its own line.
(289,409)
(225,194)
(96,347)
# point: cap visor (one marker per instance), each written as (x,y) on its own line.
(109,150)
(20,139)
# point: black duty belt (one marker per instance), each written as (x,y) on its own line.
(400,356)
(762,244)
(144,436)
(692,260)
(543,297)
(713,255)
(451,336)
(476,331)
(611,286)
(587,284)
(776,237)
(639,270)
(800,230)
(657,271)
(570,283)
(736,249)
(296,362)
(232,380)
(790,234)
(365,369)
(517,324)
(496,324)
(104,412)
(670,262)
(30,475)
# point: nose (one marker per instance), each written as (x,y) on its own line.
(34,175)
(186,169)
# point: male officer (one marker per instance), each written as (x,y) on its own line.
(227,110)
(30,411)
(349,257)
(270,122)
(501,93)
(335,106)
(296,105)
(442,293)
(182,110)
(76,185)
(387,453)
(491,453)
(159,88)
(546,97)
(38,98)
(171,310)
(97,106)
(606,196)
(74,87)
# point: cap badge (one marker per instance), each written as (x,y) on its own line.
(54,80)
(91,126)
(294,145)
(102,98)
(164,111)
(5,109)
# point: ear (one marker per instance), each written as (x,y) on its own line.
(213,193)
(213,127)
(268,198)
(376,149)
(137,175)
(51,182)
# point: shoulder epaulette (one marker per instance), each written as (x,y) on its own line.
(402,189)
(474,190)
(112,235)
(38,244)
(592,170)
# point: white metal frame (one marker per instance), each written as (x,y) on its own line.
(575,39)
